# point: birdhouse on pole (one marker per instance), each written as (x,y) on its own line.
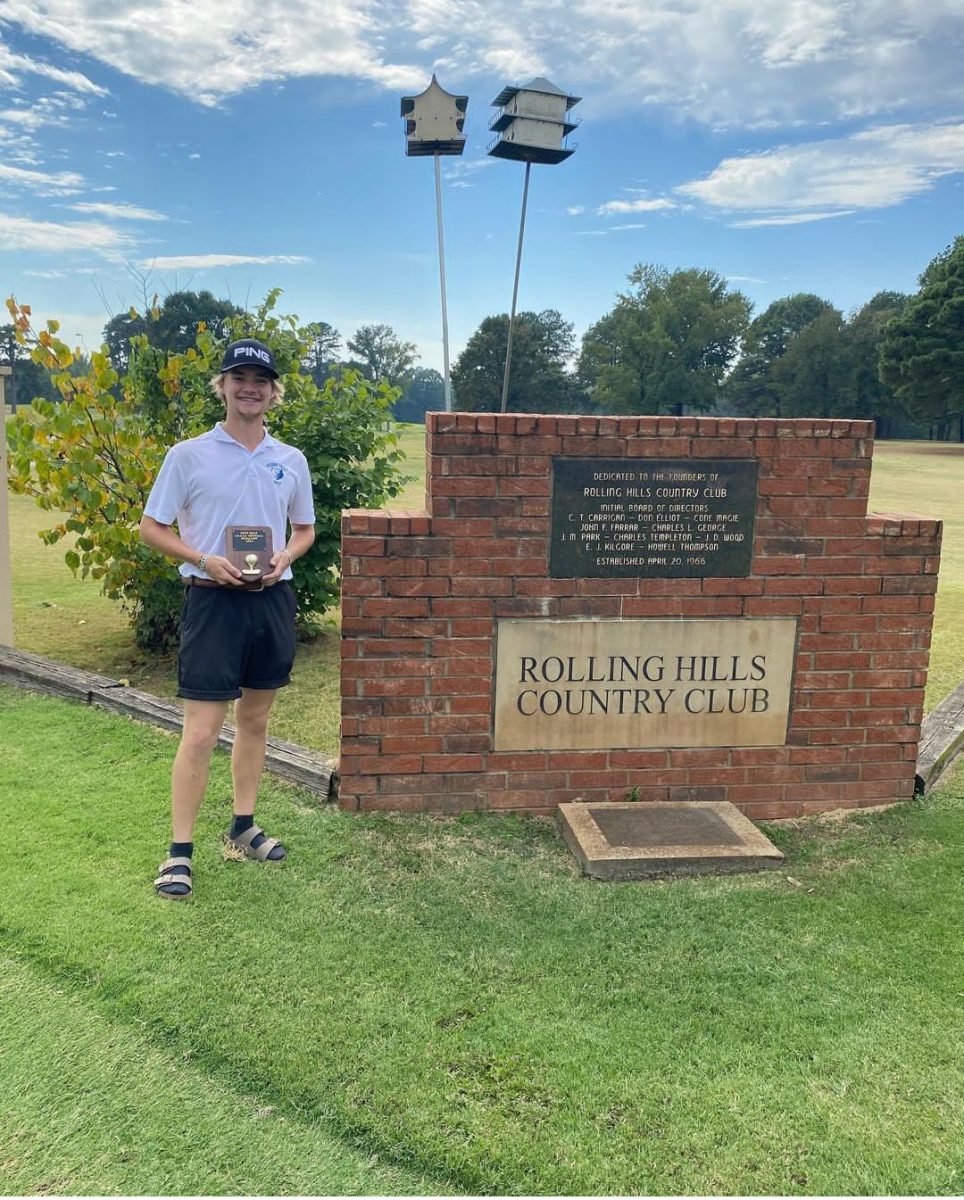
(532,126)
(433,126)
(533,123)
(433,121)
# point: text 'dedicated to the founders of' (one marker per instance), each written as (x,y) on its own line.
(588,685)
(652,517)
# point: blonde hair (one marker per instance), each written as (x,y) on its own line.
(277,389)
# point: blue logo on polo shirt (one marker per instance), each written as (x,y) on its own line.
(277,471)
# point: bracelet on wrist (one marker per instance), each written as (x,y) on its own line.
(201,561)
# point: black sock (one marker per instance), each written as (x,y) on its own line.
(179,850)
(241,824)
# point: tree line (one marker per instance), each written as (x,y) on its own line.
(170,327)
(674,342)
(684,341)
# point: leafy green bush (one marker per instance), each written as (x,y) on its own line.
(94,455)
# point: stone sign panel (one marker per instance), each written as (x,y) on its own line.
(583,684)
(652,518)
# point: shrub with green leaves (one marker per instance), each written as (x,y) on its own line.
(92,456)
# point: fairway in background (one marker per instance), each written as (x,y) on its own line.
(927,478)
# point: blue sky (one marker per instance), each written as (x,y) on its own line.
(790,145)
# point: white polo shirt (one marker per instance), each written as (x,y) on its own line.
(210,482)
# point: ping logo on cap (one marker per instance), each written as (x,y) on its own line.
(251,352)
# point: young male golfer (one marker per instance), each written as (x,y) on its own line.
(237,640)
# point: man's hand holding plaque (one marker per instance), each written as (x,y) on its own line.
(249,550)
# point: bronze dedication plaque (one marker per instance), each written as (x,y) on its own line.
(652,517)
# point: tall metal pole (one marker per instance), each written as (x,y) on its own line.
(441,271)
(515,290)
(6,578)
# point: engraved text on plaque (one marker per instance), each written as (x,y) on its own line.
(652,517)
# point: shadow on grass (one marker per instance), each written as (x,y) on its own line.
(449,994)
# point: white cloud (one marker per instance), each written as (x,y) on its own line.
(806,31)
(61,273)
(19,148)
(21,233)
(639,205)
(461,167)
(200,262)
(61,183)
(790,219)
(83,329)
(20,123)
(120,212)
(214,53)
(574,210)
(13,66)
(722,62)
(608,230)
(24,118)
(873,169)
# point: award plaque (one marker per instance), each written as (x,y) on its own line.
(249,549)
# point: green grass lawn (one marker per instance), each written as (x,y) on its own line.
(443,1004)
(90,1104)
(928,478)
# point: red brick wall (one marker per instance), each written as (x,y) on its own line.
(422,592)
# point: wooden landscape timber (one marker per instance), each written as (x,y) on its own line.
(941,740)
(297,764)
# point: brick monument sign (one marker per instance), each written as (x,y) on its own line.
(661,608)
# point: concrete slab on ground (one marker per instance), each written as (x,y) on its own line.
(645,840)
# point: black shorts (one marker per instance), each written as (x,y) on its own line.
(231,639)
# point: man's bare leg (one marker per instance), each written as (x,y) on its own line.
(202,726)
(247,760)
